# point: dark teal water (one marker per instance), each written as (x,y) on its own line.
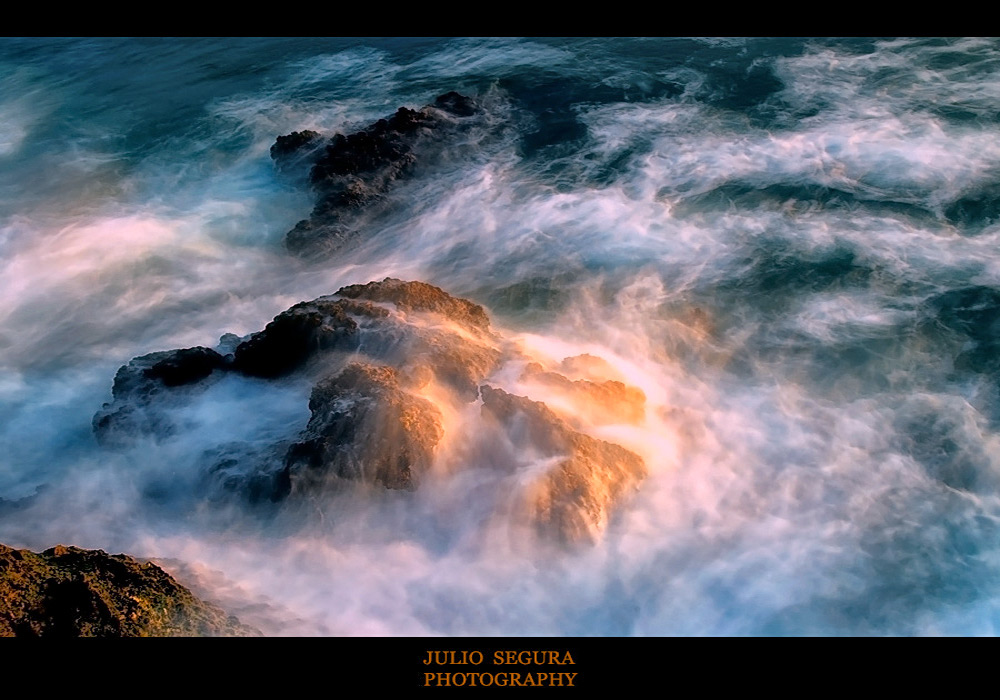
(789,244)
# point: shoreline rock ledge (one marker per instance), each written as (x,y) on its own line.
(73,592)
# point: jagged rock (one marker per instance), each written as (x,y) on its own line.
(145,375)
(72,592)
(251,471)
(570,500)
(355,319)
(411,332)
(976,209)
(291,151)
(456,103)
(607,401)
(459,360)
(354,172)
(138,383)
(364,427)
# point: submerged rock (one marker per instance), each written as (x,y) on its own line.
(72,592)
(975,210)
(353,173)
(585,478)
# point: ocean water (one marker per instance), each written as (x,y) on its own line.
(792,246)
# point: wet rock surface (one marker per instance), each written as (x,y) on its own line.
(572,498)
(364,427)
(296,150)
(387,361)
(420,296)
(607,401)
(352,174)
(73,592)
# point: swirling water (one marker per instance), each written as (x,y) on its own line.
(791,246)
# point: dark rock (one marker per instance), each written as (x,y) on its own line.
(291,151)
(380,152)
(976,209)
(306,331)
(571,500)
(456,362)
(457,104)
(251,472)
(974,311)
(353,173)
(364,427)
(138,384)
(147,374)
(185,366)
(72,592)
(296,334)
(332,323)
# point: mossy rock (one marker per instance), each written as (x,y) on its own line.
(73,592)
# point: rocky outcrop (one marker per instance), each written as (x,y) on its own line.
(387,360)
(72,592)
(369,348)
(584,478)
(364,427)
(352,174)
(456,347)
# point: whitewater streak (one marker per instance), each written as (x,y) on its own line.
(788,246)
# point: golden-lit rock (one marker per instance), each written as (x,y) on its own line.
(420,296)
(590,367)
(364,427)
(572,499)
(599,402)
